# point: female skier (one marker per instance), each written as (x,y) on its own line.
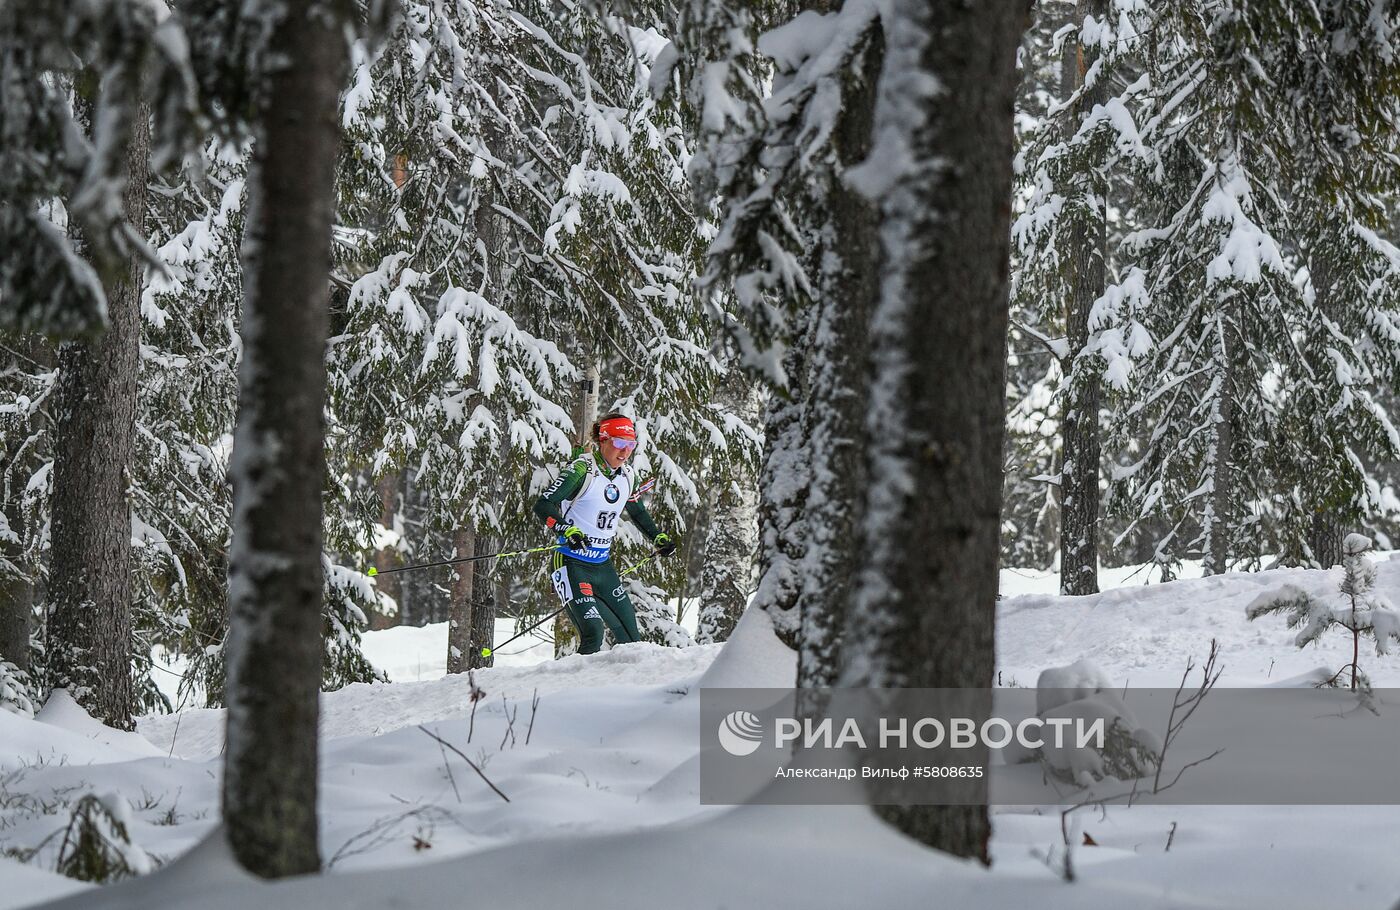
(583,507)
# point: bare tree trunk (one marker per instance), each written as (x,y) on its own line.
(89,623)
(1325,538)
(1217,555)
(1327,528)
(459,620)
(1079,477)
(275,576)
(388,558)
(925,609)
(484,590)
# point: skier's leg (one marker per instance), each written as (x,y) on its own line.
(616,606)
(570,580)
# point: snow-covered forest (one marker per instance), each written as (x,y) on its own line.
(931,345)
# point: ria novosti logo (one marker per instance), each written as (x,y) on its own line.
(740,733)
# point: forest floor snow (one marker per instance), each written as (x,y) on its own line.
(603,798)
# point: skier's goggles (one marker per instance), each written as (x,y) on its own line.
(624,444)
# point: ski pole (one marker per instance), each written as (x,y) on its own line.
(452,562)
(636,566)
(486,652)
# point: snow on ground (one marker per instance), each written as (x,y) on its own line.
(603,797)
(1143,634)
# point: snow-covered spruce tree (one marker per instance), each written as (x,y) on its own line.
(728,561)
(543,212)
(26,386)
(1068,166)
(1031,509)
(186,405)
(1361,610)
(64,166)
(76,114)
(1211,262)
(1337,65)
(940,169)
(1257,412)
(623,218)
(276,576)
(721,78)
(795,261)
(1030,497)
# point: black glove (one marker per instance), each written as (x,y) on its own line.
(575,538)
(664,544)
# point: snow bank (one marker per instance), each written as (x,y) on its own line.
(753,658)
(1142,635)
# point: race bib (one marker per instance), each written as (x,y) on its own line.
(560,578)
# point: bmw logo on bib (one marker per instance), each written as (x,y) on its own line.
(612,493)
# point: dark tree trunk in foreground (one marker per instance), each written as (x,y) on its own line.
(925,611)
(1079,477)
(89,624)
(275,574)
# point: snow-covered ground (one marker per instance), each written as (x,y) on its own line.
(601,778)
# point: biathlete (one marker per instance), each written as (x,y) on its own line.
(582,507)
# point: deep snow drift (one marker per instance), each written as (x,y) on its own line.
(603,798)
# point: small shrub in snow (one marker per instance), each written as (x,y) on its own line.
(97,845)
(1083,692)
(1361,610)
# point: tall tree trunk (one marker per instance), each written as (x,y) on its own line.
(1220,504)
(89,623)
(1327,522)
(925,609)
(484,591)
(275,574)
(388,558)
(838,364)
(1325,537)
(492,233)
(1079,476)
(459,620)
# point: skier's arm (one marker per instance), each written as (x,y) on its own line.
(565,487)
(639,514)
